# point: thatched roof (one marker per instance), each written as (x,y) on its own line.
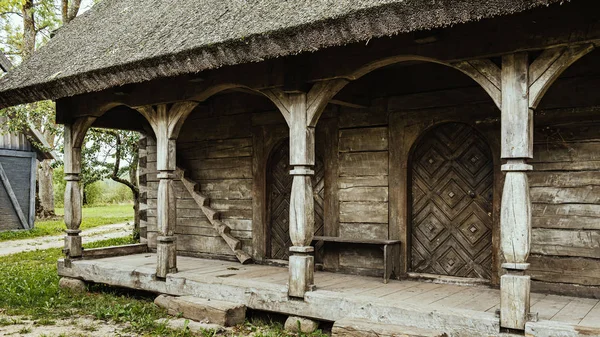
(128,41)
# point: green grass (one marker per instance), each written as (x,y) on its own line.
(29,288)
(92,217)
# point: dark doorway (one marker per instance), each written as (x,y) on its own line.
(451,192)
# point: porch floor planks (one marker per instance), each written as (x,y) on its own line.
(407,293)
(350,286)
(387,289)
(436,294)
(563,309)
(592,319)
(575,311)
(550,305)
(484,300)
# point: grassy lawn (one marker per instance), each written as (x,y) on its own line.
(92,217)
(29,288)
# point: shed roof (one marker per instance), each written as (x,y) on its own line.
(119,42)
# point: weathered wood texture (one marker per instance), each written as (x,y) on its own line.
(215,147)
(363,186)
(566,202)
(17,189)
(13,141)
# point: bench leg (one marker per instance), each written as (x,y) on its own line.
(388,259)
(391,259)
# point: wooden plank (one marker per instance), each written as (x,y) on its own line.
(583,243)
(363,139)
(564,179)
(572,153)
(365,181)
(364,212)
(220,168)
(364,194)
(352,117)
(485,299)
(566,195)
(591,210)
(436,294)
(366,257)
(13,198)
(593,317)
(218,148)
(550,306)
(364,164)
(357,241)
(353,327)
(227,188)
(331,210)
(98,253)
(582,271)
(575,311)
(455,299)
(407,293)
(364,230)
(566,222)
(387,289)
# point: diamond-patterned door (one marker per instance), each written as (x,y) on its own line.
(451,221)
(279,189)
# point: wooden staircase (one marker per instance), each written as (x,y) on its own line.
(214,217)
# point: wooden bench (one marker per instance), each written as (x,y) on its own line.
(391,251)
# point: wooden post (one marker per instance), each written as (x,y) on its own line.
(73,140)
(166,126)
(515,214)
(301,112)
(302,208)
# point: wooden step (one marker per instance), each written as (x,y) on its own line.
(202,310)
(214,217)
(356,327)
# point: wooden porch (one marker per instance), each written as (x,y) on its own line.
(458,310)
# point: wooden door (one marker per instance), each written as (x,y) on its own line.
(279,189)
(451,221)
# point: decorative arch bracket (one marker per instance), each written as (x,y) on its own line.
(486,73)
(166,123)
(548,66)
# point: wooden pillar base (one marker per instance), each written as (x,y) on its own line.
(73,244)
(166,251)
(514,301)
(301,273)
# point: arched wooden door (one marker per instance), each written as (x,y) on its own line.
(279,188)
(451,221)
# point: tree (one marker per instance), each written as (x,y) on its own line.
(38,19)
(123,150)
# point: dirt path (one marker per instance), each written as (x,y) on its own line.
(75,327)
(46,242)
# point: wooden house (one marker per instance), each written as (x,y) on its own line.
(418,164)
(18,167)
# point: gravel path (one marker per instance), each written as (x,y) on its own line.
(46,242)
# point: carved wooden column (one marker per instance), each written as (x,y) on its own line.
(301,112)
(515,214)
(73,140)
(166,125)
(302,208)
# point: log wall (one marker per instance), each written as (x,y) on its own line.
(566,203)
(225,145)
(363,185)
